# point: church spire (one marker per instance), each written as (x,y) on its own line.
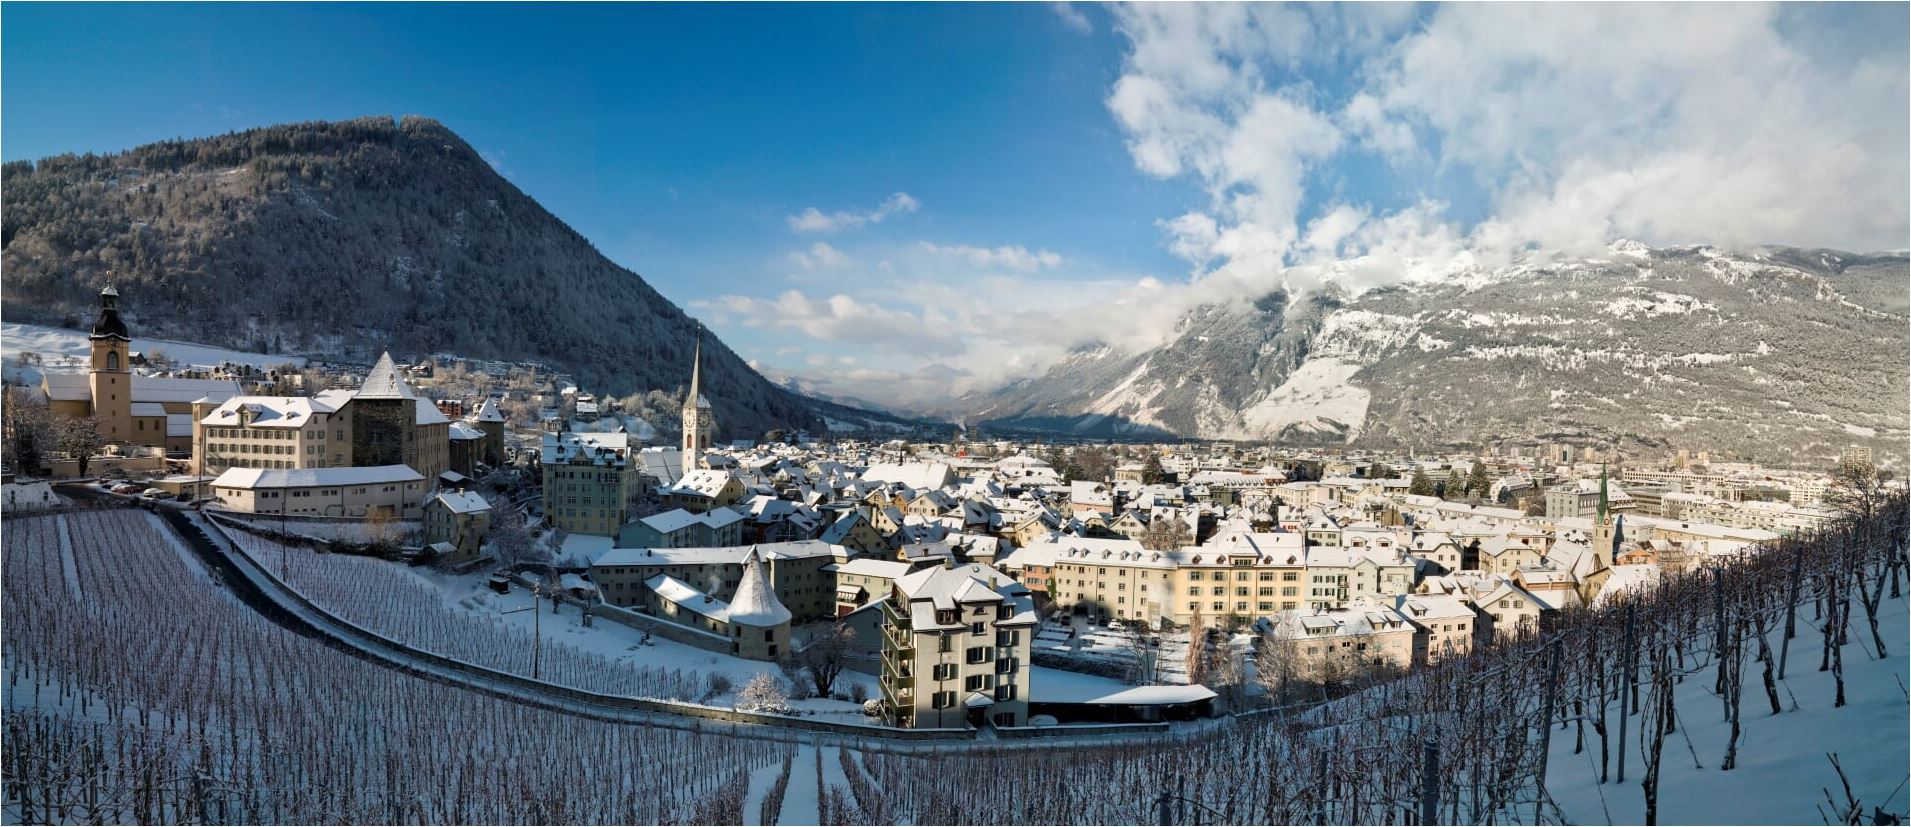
(1603,505)
(696,372)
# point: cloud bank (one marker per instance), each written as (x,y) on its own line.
(1493,130)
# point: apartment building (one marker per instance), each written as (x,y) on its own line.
(955,648)
(590,481)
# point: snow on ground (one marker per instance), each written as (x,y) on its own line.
(1782,767)
(66,351)
(761,779)
(68,569)
(616,642)
(1315,397)
(800,805)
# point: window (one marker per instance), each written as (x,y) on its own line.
(978,628)
(1289,577)
(944,644)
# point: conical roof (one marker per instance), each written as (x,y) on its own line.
(755,603)
(695,398)
(488,411)
(384,382)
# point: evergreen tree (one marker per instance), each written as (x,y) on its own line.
(1152,472)
(1421,485)
(1379,471)
(1476,482)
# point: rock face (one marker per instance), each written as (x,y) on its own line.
(344,239)
(1777,355)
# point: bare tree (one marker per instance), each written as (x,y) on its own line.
(29,429)
(1165,533)
(1858,489)
(826,654)
(80,438)
(1276,662)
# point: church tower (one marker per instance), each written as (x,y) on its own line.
(110,377)
(698,423)
(1605,531)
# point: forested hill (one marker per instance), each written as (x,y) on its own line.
(345,238)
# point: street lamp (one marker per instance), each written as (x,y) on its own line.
(537,633)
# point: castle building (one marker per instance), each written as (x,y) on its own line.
(148,411)
(379,424)
(698,421)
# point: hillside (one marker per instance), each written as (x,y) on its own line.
(342,239)
(1776,355)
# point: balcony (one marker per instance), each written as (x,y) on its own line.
(898,640)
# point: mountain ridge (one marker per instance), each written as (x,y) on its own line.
(1744,354)
(347,237)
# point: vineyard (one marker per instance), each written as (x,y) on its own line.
(139,691)
(385,598)
(1604,709)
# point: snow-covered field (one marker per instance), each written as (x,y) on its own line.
(1782,768)
(66,351)
(461,617)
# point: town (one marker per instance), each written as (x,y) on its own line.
(958,576)
(955,413)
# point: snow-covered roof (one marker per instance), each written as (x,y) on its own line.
(383,382)
(687,596)
(1057,686)
(915,475)
(870,567)
(266,412)
(308,477)
(488,411)
(593,448)
(755,603)
(462,502)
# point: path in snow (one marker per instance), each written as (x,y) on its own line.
(193,566)
(833,774)
(68,566)
(761,779)
(799,801)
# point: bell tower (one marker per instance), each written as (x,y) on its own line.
(110,375)
(698,423)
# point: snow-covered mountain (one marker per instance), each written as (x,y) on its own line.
(1774,354)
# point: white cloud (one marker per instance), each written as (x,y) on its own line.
(820,256)
(1072,18)
(1579,123)
(813,220)
(1674,123)
(1015,257)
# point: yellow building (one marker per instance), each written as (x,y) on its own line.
(148,411)
(381,423)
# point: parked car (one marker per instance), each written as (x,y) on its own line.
(126,488)
(155,493)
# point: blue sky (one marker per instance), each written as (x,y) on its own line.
(676,138)
(1057,176)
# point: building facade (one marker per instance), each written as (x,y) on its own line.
(955,648)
